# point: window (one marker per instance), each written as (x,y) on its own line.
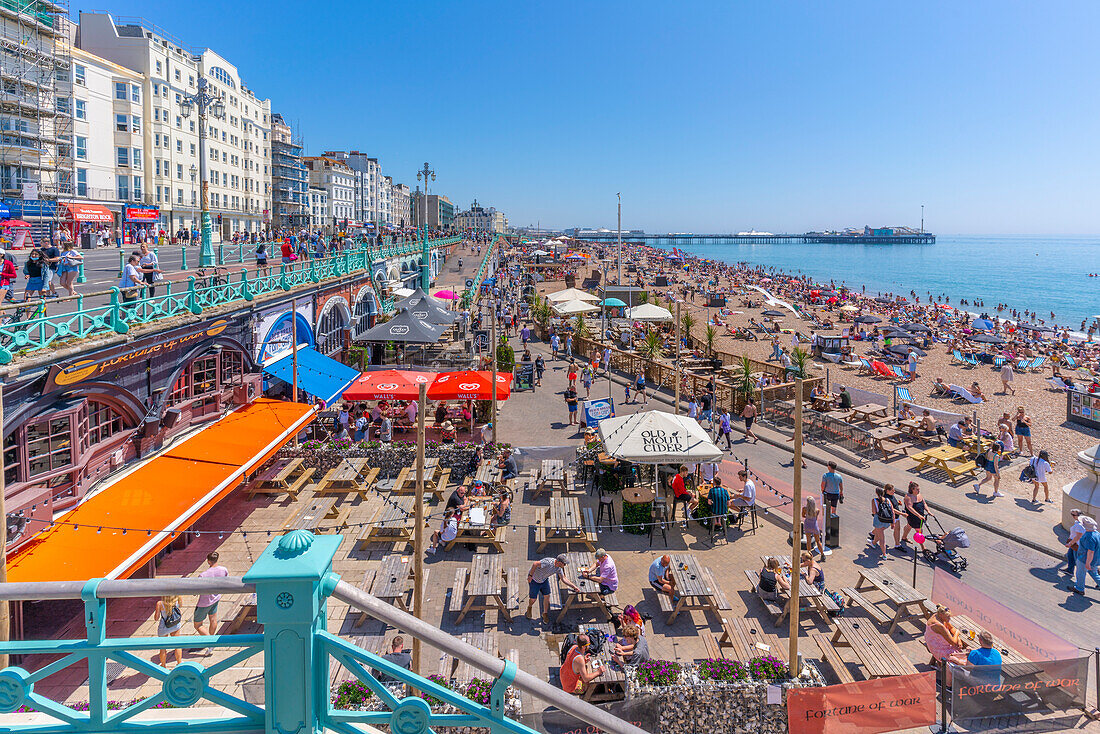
(190,81)
(179,145)
(179,196)
(179,171)
(197,380)
(158,68)
(156,166)
(177,75)
(135,92)
(192,149)
(80,74)
(49,446)
(81,148)
(137,157)
(122,156)
(81,108)
(122,123)
(232,366)
(82,182)
(103,422)
(137,188)
(121,91)
(135,124)
(64,105)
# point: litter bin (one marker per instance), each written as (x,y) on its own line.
(832,529)
(87,241)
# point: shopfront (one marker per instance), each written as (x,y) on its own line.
(89,225)
(72,423)
(140,223)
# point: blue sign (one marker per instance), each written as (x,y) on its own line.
(34,208)
(596,410)
(5,212)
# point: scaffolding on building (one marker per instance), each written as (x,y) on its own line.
(35,110)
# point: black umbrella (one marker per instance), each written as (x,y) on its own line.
(987,339)
(1041,329)
(404,327)
(903,349)
(867,319)
(916,328)
(775,314)
(899,334)
(425,308)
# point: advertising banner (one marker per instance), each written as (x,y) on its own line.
(1017,631)
(864,707)
(1018,688)
(524,376)
(596,410)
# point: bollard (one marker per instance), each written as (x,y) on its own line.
(221,253)
(80,278)
(240,254)
(183,257)
(121,262)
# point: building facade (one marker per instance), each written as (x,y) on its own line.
(289,177)
(338,181)
(482,219)
(318,208)
(238,146)
(434,209)
(401,199)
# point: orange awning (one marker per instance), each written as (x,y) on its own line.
(90,213)
(167,494)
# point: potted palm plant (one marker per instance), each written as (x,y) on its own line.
(650,348)
(800,362)
(709,336)
(687,321)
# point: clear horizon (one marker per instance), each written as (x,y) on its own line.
(708,117)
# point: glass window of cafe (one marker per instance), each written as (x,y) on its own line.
(206,375)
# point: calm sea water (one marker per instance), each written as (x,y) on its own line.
(1039,273)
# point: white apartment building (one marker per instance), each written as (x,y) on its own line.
(385,196)
(238,146)
(482,219)
(338,181)
(108,151)
(401,207)
(318,208)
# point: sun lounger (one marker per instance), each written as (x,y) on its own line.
(1057,383)
(832,357)
(866,365)
(961,393)
(881,369)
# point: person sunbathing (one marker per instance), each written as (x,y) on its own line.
(976,391)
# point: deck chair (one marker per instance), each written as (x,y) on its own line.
(970,359)
(956,356)
(961,393)
(903,395)
(1070,361)
(938,388)
(1022,364)
(997,362)
(832,357)
(1057,383)
(899,372)
(866,365)
(1037,363)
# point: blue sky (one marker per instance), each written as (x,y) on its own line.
(708,117)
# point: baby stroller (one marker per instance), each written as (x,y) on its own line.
(946,545)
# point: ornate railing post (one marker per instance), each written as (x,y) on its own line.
(293,578)
(313,276)
(81,278)
(246,288)
(193,297)
(118,325)
(95,621)
(283,282)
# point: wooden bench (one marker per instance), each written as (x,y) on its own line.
(590,525)
(890,448)
(877,614)
(540,537)
(665,602)
(442,484)
(774,609)
(292,489)
(720,600)
(458,591)
(710,642)
(832,657)
(958,471)
(300,482)
(365,585)
(512,595)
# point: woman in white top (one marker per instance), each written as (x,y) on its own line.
(1042,466)
(132,280)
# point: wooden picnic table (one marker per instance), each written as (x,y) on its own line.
(912,429)
(748,639)
(479,533)
(482,588)
(391,522)
(1008,654)
(908,603)
(807,593)
(611,686)
(696,587)
(435,479)
(972,445)
(867,412)
(282,476)
(566,523)
(939,458)
(487,473)
(589,596)
(394,580)
(348,476)
(551,476)
(880,656)
(318,515)
(882,434)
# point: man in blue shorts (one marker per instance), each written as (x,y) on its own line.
(660,576)
(538,581)
(832,487)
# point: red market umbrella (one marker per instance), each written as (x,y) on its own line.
(388,385)
(15,223)
(469,385)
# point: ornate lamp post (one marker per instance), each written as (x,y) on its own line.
(208,103)
(425,255)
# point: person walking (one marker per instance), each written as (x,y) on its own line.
(169,614)
(882,517)
(555,345)
(1088,556)
(989,462)
(206,610)
(571,374)
(540,367)
(1023,430)
(811,527)
(1075,533)
(586,380)
(538,581)
(916,512)
(749,413)
(832,488)
(69,267)
(34,269)
(150,267)
(725,428)
(1007,376)
(1039,467)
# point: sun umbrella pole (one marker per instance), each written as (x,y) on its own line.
(493,373)
(796,540)
(294,355)
(418,532)
(677,403)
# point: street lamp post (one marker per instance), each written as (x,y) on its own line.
(425,257)
(194,172)
(208,103)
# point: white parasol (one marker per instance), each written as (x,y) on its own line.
(656,437)
(648,312)
(571,294)
(572,307)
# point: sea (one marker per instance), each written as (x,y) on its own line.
(1039,273)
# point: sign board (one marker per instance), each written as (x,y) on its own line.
(864,707)
(481,340)
(469,282)
(596,410)
(523,376)
(1015,689)
(141,214)
(30,191)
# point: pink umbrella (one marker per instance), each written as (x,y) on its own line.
(447,295)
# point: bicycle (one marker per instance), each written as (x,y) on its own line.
(219,276)
(23,313)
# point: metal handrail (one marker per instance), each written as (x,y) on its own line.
(354,597)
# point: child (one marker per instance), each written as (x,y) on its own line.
(447,532)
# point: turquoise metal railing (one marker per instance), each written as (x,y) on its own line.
(470,296)
(292,581)
(21,336)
